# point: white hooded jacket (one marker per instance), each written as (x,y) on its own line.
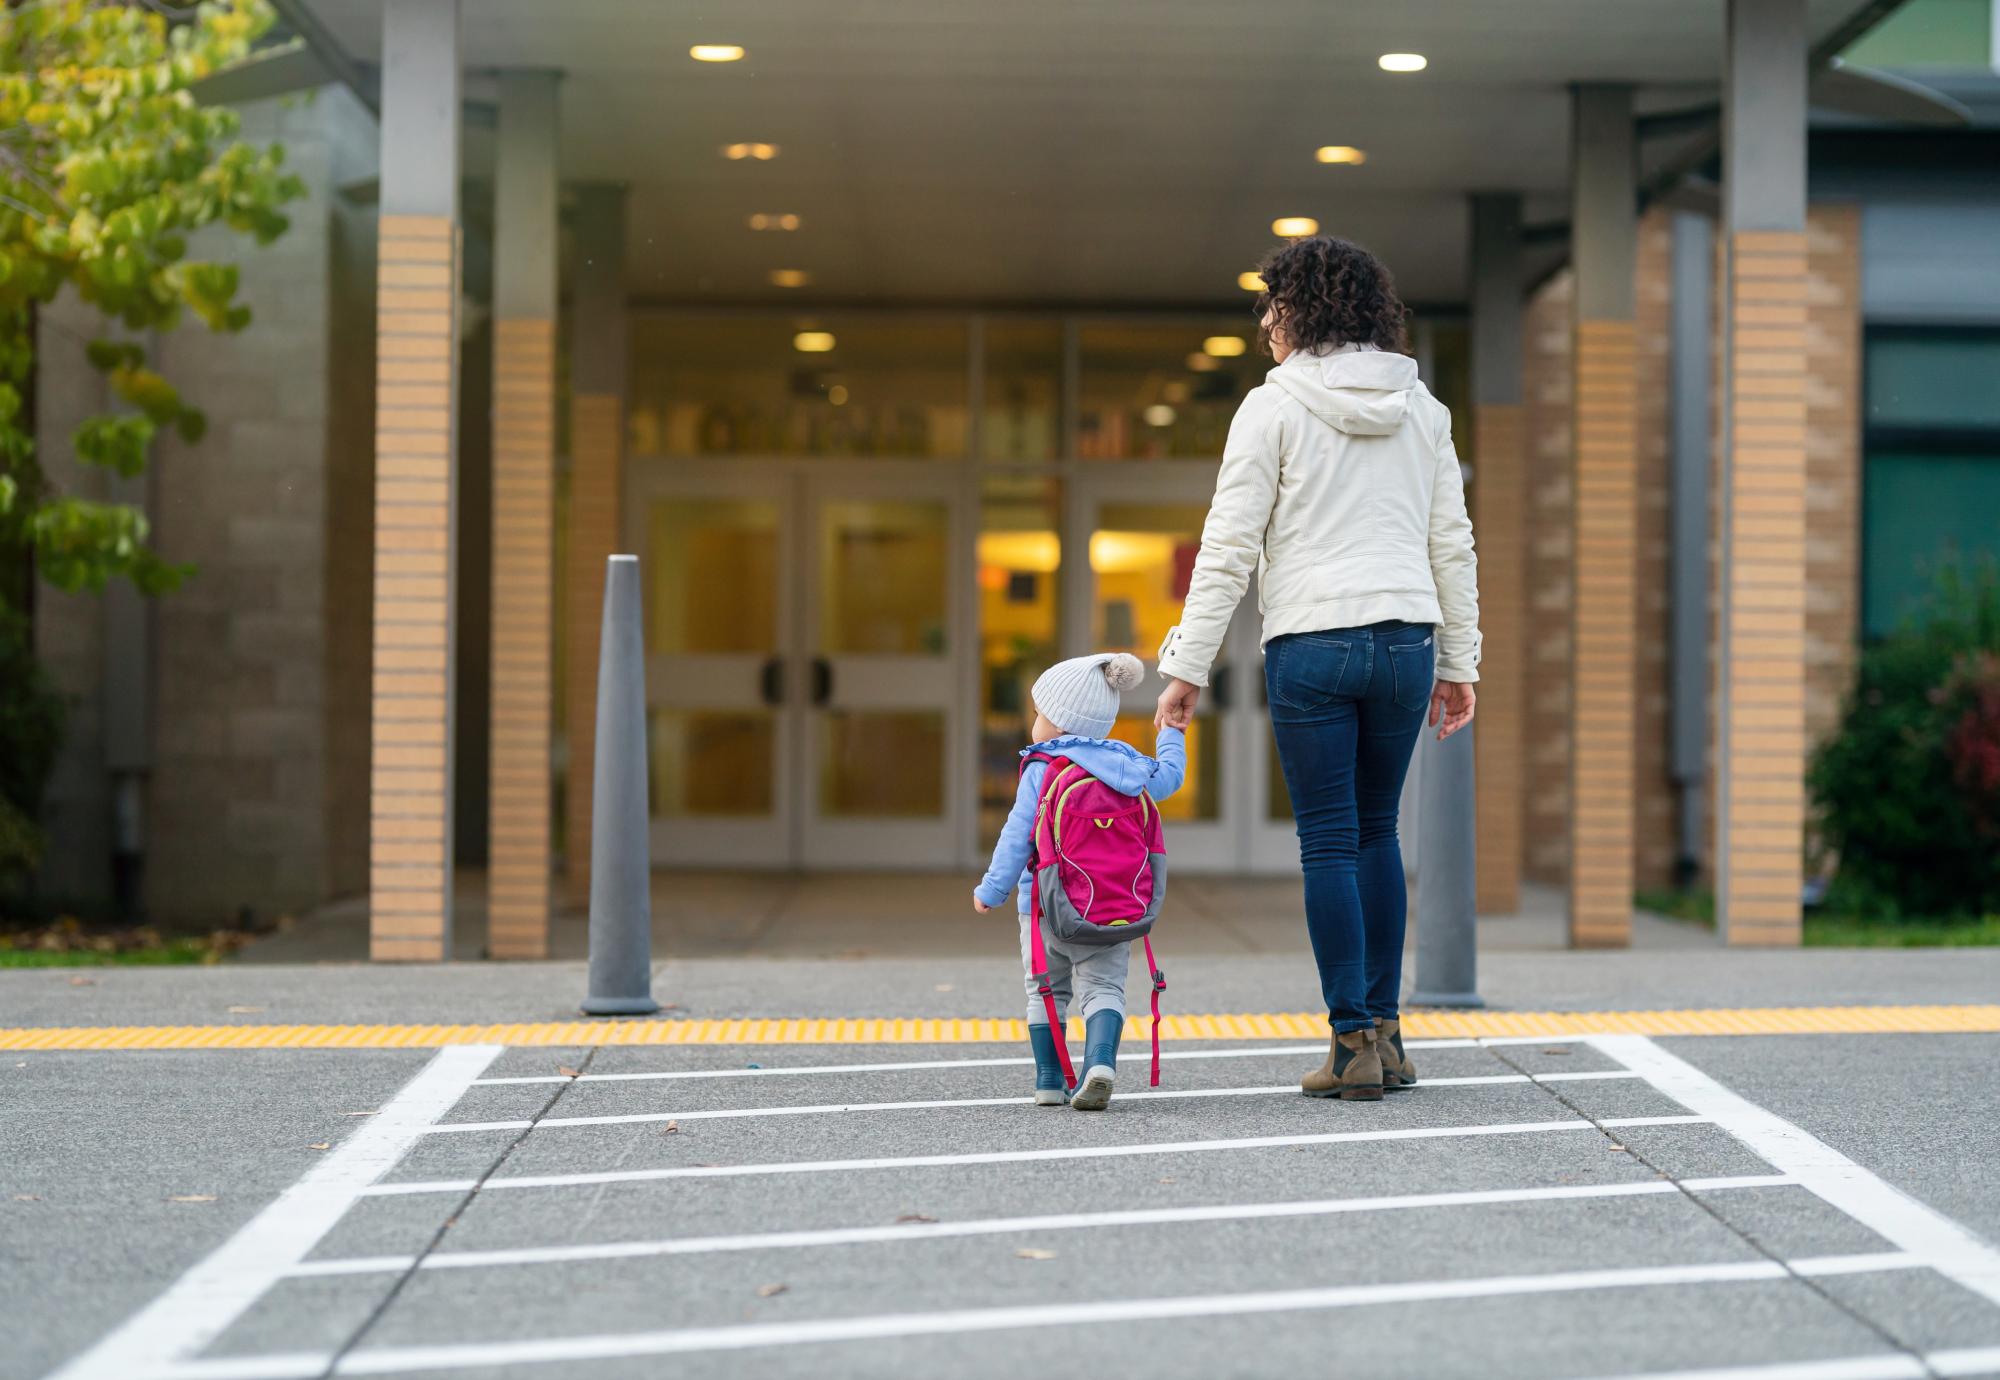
(1340,488)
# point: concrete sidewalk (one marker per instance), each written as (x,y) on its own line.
(915,915)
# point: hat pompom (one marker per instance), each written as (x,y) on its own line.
(1123,671)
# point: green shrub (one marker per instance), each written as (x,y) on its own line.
(1907,789)
(31,716)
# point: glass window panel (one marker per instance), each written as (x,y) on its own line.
(879,764)
(688,610)
(1151,389)
(1021,417)
(1946,379)
(884,578)
(1141,557)
(1200,795)
(1924,512)
(710,764)
(882,386)
(1020,559)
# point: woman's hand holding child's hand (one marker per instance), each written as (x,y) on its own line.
(1177,704)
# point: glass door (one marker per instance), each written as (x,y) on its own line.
(712,546)
(885,556)
(1141,530)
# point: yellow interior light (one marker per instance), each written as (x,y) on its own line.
(716,52)
(1199,363)
(790,277)
(1340,153)
(1294,227)
(1224,346)
(762,153)
(1402,62)
(1250,282)
(837,395)
(767,220)
(813,342)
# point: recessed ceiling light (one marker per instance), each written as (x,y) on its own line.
(1200,363)
(1294,227)
(813,342)
(763,153)
(1250,282)
(1340,153)
(1402,62)
(790,277)
(1159,414)
(716,52)
(770,220)
(1224,346)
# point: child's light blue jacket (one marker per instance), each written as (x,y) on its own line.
(1118,765)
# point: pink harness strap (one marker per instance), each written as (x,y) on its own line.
(1159,986)
(1041,962)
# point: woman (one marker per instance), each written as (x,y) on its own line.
(1340,488)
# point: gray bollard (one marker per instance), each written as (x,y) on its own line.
(1447,937)
(621,900)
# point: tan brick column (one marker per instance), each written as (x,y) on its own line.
(416,402)
(1500,491)
(1761,804)
(409,858)
(1604,654)
(596,480)
(520,786)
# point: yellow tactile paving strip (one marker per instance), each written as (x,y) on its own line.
(1302,1025)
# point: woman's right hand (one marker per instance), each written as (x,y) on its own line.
(1451,702)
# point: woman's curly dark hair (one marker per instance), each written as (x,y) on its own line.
(1329,292)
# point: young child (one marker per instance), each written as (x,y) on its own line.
(1075,704)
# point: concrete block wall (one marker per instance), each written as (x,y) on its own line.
(246,680)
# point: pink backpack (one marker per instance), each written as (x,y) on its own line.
(1100,876)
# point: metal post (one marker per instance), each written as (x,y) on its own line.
(1447,932)
(621,903)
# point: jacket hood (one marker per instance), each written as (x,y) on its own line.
(1364,392)
(1118,765)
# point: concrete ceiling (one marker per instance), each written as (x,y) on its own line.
(1091,151)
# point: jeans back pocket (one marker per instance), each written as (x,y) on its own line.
(1414,665)
(1310,670)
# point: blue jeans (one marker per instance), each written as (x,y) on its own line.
(1346,706)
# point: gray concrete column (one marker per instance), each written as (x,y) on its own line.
(1603,641)
(1500,506)
(524,412)
(596,479)
(416,485)
(1761,736)
(1690,372)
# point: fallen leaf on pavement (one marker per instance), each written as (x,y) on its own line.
(1170,1181)
(357,1114)
(244,1010)
(1035,1253)
(944,987)
(27,1197)
(83,982)
(321,1145)
(768,1291)
(672,1128)
(1616,1149)
(566,1071)
(192,1198)
(1555,1051)
(915,1217)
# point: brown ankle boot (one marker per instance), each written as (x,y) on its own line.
(1352,1072)
(1397,1071)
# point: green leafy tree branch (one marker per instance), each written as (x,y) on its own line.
(107,165)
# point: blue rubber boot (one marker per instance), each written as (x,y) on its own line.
(1100,1060)
(1050,1090)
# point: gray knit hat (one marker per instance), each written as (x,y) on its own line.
(1081,695)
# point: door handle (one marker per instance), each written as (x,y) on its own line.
(1222,682)
(822,683)
(771,680)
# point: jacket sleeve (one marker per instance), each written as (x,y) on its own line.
(1454,569)
(1017,839)
(1169,763)
(1231,540)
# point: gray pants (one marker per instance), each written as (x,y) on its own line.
(1094,973)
